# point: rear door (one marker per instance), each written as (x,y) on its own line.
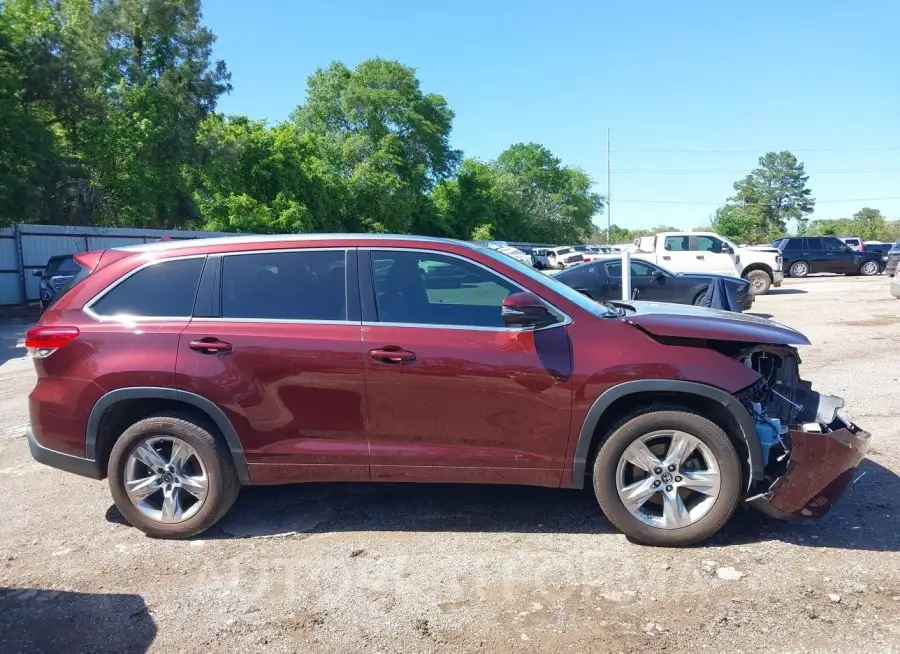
(675,254)
(814,252)
(275,343)
(453,393)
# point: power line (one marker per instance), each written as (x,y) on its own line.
(757,150)
(748,204)
(720,171)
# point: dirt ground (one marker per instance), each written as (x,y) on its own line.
(457,568)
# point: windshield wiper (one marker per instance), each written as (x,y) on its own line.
(615,308)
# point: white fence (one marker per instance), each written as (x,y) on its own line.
(25,248)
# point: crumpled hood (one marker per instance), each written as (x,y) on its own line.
(685,321)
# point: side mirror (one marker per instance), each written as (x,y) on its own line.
(38,272)
(726,249)
(525,310)
(659,277)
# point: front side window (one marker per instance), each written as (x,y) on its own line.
(638,269)
(833,244)
(709,244)
(433,289)
(310,285)
(676,243)
(162,290)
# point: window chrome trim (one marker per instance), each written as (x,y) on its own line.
(127,318)
(564,318)
(280,321)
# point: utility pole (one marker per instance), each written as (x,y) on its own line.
(608,218)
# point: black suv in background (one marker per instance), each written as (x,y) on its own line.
(893,258)
(56,277)
(825,254)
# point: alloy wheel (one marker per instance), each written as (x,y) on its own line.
(799,269)
(165,479)
(668,479)
(870,268)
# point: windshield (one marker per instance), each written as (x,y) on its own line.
(563,251)
(61,266)
(556,286)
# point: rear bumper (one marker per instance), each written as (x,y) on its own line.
(820,468)
(67,462)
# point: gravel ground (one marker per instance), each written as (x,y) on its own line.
(414,568)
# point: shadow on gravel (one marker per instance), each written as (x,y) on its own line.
(35,620)
(786,291)
(865,518)
(11,335)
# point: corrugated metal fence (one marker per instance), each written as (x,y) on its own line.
(25,248)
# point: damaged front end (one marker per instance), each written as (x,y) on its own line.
(810,453)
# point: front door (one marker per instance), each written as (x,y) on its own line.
(710,252)
(275,343)
(839,257)
(453,394)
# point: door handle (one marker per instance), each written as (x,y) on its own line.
(666,257)
(392,354)
(210,345)
(700,256)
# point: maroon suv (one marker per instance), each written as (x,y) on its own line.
(184,370)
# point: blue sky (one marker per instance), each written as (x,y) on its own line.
(693,92)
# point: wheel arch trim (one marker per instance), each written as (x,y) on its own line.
(742,417)
(214,413)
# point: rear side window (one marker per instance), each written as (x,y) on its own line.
(812,244)
(791,244)
(676,243)
(163,290)
(308,285)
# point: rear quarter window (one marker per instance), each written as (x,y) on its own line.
(162,290)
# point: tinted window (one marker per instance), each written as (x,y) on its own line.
(163,290)
(676,243)
(833,244)
(564,251)
(434,289)
(791,244)
(852,241)
(61,266)
(812,244)
(638,269)
(285,285)
(709,244)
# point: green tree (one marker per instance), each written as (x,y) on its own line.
(388,140)
(744,224)
(869,224)
(777,187)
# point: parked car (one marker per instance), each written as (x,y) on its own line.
(515,253)
(893,258)
(539,258)
(601,280)
(707,252)
(181,371)
(818,254)
(855,243)
(560,258)
(59,272)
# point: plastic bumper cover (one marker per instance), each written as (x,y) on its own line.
(67,462)
(820,468)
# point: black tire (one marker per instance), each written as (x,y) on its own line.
(799,269)
(869,271)
(223,480)
(760,282)
(653,418)
(699,297)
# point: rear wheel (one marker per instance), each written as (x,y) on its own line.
(759,282)
(699,298)
(171,478)
(667,477)
(799,269)
(869,268)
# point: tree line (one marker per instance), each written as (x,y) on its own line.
(108,117)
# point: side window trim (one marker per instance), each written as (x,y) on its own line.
(88,307)
(353,317)
(367,292)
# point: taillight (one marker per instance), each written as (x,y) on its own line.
(43,341)
(586,259)
(862,247)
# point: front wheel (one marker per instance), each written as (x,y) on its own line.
(869,268)
(799,269)
(667,477)
(759,282)
(171,478)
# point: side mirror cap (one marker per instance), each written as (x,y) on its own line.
(38,272)
(525,309)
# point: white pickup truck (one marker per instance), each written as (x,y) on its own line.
(707,252)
